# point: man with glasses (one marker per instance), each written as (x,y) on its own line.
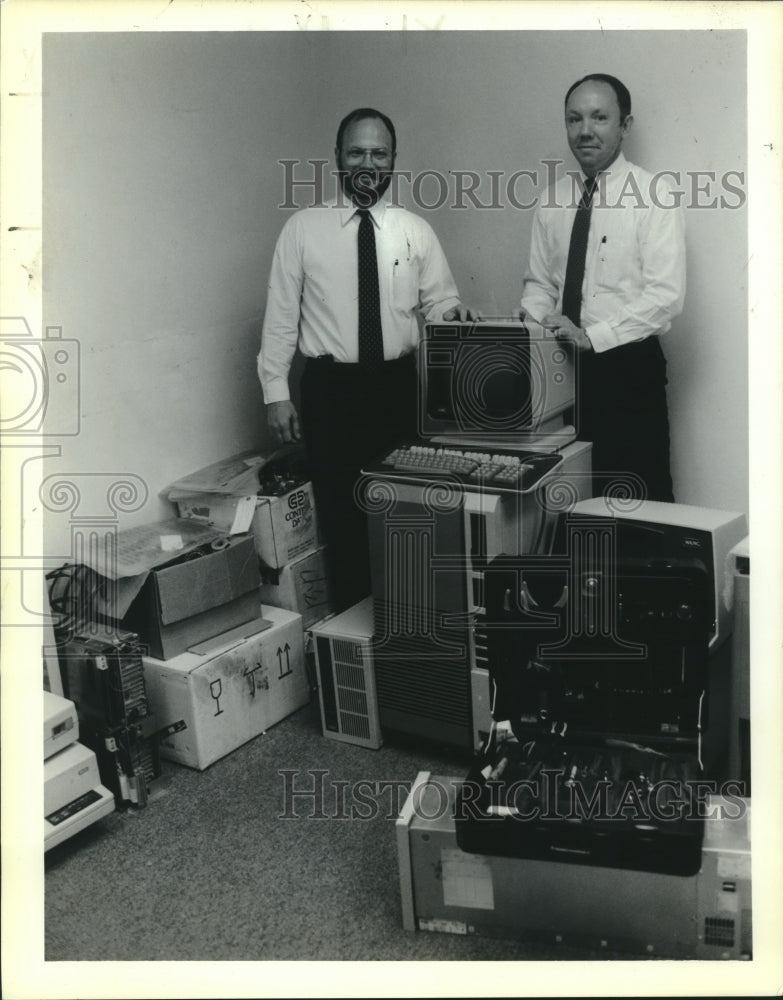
(346,284)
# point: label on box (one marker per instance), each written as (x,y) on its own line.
(284,527)
(293,520)
(243,516)
(467,880)
(441,926)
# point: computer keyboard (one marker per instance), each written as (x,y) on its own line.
(506,472)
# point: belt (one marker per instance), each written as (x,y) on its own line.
(329,359)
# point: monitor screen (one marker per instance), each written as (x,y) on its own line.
(493,380)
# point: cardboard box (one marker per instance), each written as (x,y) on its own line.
(283,527)
(301,586)
(266,494)
(230,693)
(196,599)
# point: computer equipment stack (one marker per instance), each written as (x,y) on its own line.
(563,901)
(74,797)
(103,676)
(609,753)
(475,485)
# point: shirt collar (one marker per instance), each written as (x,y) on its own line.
(614,174)
(377,212)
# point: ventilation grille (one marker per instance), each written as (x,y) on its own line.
(346,652)
(424,676)
(719,931)
(348,676)
(351,690)
(357,726)
(349,707)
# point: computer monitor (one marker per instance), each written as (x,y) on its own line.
(495,381)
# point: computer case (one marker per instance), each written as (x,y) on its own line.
(61,723)
(104,677)
(429,548)
(493,529)
(706,915)
(662,532)
(602,661)
(346,677)
(738,594)
(419,579)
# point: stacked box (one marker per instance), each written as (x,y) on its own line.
(268,496)
(283,527)
(230,690)
(188,601)
(300,586)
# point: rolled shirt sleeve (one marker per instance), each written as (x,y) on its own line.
(280,332)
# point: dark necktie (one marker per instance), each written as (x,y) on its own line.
(577,255)
(370,329)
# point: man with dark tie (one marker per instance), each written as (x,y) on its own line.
(607,272)
(346,284)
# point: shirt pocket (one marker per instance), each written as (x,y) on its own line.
(614,263)
(405,284)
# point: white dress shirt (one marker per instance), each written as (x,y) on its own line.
(312,298)
(634,282)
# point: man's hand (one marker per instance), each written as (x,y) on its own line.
(462,313)
(283,422)
(564,329)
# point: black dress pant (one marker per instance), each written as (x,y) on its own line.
(350,417)
(622,409)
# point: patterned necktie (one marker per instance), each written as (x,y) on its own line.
(577,255)
(370,329)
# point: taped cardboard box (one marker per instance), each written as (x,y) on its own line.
(202,596)
(266,495)
(301,586)
(230,693)
(283,528)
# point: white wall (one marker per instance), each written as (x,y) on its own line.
(161,187)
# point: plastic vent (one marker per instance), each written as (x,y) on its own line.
(355,725)
(719,931)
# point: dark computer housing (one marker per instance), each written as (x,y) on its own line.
(494,382)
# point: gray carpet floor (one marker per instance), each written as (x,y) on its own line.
(209,871)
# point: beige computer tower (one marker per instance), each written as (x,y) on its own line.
(346,677)
(445,889)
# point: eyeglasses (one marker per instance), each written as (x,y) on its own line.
(356,155)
